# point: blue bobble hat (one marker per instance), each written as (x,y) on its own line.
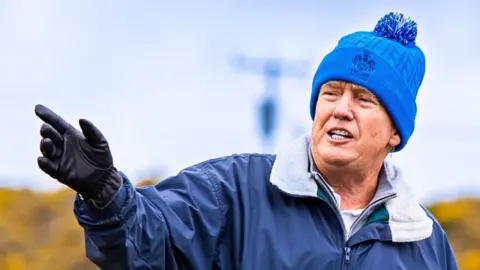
(387,62)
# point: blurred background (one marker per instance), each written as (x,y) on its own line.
(172,83)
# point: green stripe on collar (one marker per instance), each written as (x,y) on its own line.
(380,215)
(322,196)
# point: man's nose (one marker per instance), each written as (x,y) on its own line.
(343,108)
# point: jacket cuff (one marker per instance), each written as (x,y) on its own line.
(113,208)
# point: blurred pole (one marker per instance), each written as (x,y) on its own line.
(272,70)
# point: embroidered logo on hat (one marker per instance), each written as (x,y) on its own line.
(363,65)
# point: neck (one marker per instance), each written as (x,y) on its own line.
(355,191)
(356,187)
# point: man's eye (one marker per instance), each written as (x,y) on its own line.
(367,100)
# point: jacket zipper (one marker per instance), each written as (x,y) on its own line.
(346,248)
(346,236)
(371,205)
(347,255)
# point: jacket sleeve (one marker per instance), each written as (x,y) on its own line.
(450,260)
(443,250)
(173,225)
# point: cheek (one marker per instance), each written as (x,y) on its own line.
(377,129)
(318,124)
(316,129)
(323,112)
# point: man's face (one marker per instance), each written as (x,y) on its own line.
(351,126)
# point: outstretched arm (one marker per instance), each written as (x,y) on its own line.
(173,225)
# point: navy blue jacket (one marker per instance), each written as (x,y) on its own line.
(256,211)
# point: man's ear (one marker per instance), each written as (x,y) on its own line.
(394,139)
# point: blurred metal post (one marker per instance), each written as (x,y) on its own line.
(272,70)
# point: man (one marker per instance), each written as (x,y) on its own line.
(330,200)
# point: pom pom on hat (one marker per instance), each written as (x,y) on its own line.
(397,27)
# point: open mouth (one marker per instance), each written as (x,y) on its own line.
(340,134)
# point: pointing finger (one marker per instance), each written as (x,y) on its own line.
(49,117)
(47,131)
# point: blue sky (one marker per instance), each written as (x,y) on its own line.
(155,77)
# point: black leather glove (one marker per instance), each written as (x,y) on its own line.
(80,160)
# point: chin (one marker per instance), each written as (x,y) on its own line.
(336,156)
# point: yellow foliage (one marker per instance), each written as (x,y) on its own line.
(470,260)
(15,261)
(147,182)
(460,219)
(39,231)
(454,212)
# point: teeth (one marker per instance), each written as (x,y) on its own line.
(338,137)
(340,132)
